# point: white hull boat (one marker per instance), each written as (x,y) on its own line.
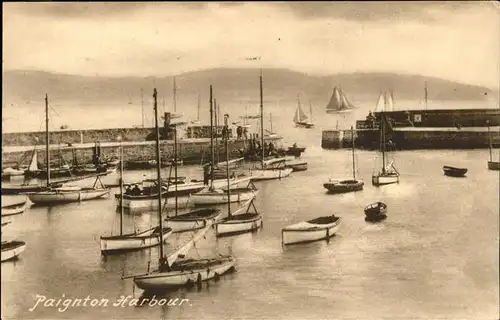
(63,195)
(220,196)
(312,230)
(269,174)
(185,273)
(14,209)
(238,223)
(384,179)
(12,249)
(133,241)
(151,203)
(193,220)
(11,172)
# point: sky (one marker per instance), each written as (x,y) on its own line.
(458,41)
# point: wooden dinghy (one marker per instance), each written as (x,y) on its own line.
(271,169)
(133,241)
(12,249)
(12,205)
(312,230)
(343,186)
(376,212)
(454,172)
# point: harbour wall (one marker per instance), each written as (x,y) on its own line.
(414,138)
(192,151)
(439,118)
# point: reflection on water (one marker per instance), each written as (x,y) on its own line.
(436,252)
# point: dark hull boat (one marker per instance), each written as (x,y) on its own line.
(376,212)
(294,151)
(454,172)
(493,165)
(193,220)
(344,186)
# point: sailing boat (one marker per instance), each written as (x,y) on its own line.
(389,174)
(197,121)
(135,240)
(238,221)
(270,169)
(338,102)
(300,118)
(219,196)
(342,186)
(64,194)
(492,165)
(171,273)
(385,102)
(174,114)
(194,219)
(174,274)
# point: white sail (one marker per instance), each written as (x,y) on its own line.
(184,249)
(335,101)
(300,116)
(345,102)
(380,103)
(390,103)
(34,162)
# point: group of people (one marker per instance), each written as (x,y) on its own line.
(241,132)
(135,191)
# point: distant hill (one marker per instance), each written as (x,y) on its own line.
(231,86)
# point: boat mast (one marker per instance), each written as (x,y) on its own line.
(142,106)
(211,140)
(353,159)
(425,95)
(47,152)
(198,117)
(310,110)
(489,141)
(226,138)
(271,120)
(261,122)
(121,187)
(382,127)
(158,172)
(216,156)
(175,98)
(175,169)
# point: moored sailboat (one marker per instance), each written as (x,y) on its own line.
(271,169)
(238,221)
(11,249)
(342,186)
(389,173)
(135,240)
(492,165)
(63,194)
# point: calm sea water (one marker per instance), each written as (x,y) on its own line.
(435,257)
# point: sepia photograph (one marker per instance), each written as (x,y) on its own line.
(250,160)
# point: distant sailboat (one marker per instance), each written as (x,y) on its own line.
(174,114)
(338,102)
(385,102)
(300,119)
(388,174)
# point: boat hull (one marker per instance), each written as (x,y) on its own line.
(209,198)
(270,174)
(50,197)
(454,172)
(181,224)
(384,180)
(160,281)
(147,239)
(493,165)
(295,235)
(301,166)
(12,249)
(151,203)
(338,111)
(234,225)
(304,125)
(14,209)
(343,186)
